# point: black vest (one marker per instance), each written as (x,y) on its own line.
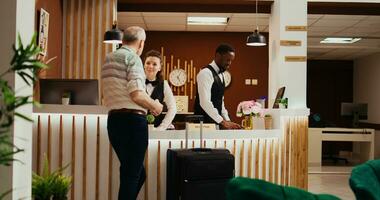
(217,92)
(158,93)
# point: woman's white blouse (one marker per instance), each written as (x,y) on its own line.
(170,103)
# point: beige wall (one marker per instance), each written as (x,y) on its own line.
(367,85)
(367,90)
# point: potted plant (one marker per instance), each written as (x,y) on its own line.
(66,96)
(25,64)
(50,185)
(283,103)
(150,119)
(252,112)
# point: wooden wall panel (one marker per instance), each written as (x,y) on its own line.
(85,22)
(199,47)
(54,8)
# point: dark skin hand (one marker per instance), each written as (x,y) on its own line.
(229,125)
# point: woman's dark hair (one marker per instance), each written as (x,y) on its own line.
(157,54)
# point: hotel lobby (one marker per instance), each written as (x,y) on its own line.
(323,53)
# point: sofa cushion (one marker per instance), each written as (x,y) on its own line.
(240,188)
(364,181)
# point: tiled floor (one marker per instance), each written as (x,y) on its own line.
(331,180)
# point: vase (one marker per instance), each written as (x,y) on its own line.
(251,122)
(246,123)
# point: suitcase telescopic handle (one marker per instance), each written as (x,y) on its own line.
(193,118)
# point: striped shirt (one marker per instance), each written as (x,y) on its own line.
(122,73)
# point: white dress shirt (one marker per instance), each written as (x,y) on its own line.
(205,79)
(170,104)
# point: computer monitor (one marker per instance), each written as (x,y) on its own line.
(82,91)
(280,95)
(355,110)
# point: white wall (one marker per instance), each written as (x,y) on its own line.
(367,90)
(292,75)
(17,17)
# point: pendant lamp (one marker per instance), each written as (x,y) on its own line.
(113,36)
(256,39)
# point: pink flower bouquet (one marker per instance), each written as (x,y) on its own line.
(249,108)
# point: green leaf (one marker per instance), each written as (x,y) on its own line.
(23,117)
(2,196)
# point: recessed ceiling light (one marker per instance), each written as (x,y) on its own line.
(340,40)
(207,20)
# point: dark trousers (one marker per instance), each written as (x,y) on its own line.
(128,134)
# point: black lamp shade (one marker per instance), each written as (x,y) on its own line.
(256,39)
(113,36)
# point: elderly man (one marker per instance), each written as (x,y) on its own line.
(123,82)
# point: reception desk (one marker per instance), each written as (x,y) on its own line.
(77,135)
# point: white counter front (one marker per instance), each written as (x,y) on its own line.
(77,135)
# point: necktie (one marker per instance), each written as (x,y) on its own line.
(154,83)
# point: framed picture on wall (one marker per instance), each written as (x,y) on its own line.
(43,31)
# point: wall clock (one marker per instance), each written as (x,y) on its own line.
(177,77)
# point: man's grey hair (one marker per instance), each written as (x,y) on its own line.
(134,33)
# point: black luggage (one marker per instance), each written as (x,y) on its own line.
(198,173)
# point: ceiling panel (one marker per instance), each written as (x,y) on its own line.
(320,26)
(355,32)
(159,14)
(204,28)
(313,16)
(236,21)
(345,17)
(250,15)
(134,19)
(160,27)
(244,28)
(335,22)
(368,23)
(123,26)
(128,14)
(165,20)
(209,14)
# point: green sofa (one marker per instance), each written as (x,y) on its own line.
(365,180)
(240,188)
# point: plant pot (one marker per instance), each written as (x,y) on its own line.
(282,106)
(65,101)
(268,123)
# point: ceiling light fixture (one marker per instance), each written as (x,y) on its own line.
(113,36)
(207,20)
(256,39)
(339,40)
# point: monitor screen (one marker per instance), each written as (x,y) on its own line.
(351,109)
(82,91)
